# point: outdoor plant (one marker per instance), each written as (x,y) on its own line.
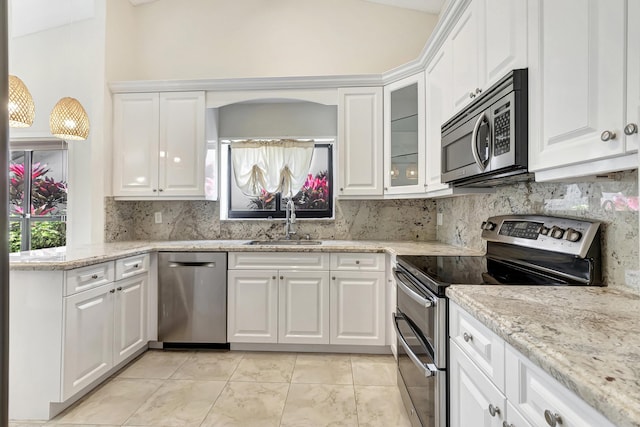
(313,195)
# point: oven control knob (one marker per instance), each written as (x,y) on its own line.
(573,235)
(544,230)
(557,232)
(489,226)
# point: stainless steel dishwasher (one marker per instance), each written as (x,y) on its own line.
(192,299)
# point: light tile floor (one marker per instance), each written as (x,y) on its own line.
(245,389)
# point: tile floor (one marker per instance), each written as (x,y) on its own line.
(207,388)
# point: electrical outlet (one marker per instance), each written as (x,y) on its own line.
(439,218)
(158,217)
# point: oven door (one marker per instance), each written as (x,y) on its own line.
(426,311)
(423,387)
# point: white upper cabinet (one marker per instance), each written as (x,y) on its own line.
(404,136)
(159,144)
(360,142)
(488,41)
(577,87)
(439,109)
(633,77)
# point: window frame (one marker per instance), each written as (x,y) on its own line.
(27,220)
(280,201)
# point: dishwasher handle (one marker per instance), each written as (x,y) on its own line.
(175,264)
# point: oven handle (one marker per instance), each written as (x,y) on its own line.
(429,369)
(424,302)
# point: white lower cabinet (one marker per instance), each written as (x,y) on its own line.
(525,395)
(357,308)
(68,331)
(88,338)
(304,302)
(475,400)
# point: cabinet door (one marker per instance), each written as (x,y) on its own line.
(88,338)
(505,33)
(357,308)
(576,81)
(303,307)
(130,317)
(360,141)
(633,75)
(473,398)
(135,144)
(404,105)
(439,110)
(467,47)
(252,306)
(182,144)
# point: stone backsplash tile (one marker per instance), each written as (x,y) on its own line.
(200,220)
(613,202)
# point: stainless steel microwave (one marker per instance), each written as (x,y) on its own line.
(486,143)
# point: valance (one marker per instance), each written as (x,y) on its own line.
(276,166)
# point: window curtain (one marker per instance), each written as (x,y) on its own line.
(277,166)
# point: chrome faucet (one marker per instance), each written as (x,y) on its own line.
(289,226)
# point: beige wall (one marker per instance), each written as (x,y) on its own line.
(196,39)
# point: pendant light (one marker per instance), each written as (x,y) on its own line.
(21,108)
(69,120)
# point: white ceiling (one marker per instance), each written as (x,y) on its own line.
(430,6)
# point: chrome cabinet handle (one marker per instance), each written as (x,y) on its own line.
(467,337)
(630,129)
(607,135)
(551,418)
(494,410)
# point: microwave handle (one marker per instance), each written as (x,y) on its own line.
(428,369)
(474,145)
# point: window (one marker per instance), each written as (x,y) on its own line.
(37,199)
(314,200)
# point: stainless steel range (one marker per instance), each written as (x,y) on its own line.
(521,250)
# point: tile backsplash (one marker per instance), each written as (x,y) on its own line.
(200,220)
(613,202)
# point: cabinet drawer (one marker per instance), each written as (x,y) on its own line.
(483,346)
(84,278)
(357,261)
(131,266)
(534,392)
(278,260)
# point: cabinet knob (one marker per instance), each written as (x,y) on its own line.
(135,266)
(274,277)
(607,135)
(506,424)
(467,337)
(333,278)
(281,277)
(94,276)
(341,189)
(160,189)
(552,418)
(154,190)
(112,291)
(119,288)
(472,95)
(478,91)
(630,129)
(494,410)
(357,262)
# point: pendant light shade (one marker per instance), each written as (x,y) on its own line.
(21,108)
(69,120)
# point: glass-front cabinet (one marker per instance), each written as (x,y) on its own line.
(404,133)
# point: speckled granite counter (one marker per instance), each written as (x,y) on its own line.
(68,258)
(586,338)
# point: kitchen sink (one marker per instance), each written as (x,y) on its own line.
(285,242)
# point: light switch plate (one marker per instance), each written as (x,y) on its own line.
(439,218)
(158,217)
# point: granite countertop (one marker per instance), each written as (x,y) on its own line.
(74,257)
(588,338)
